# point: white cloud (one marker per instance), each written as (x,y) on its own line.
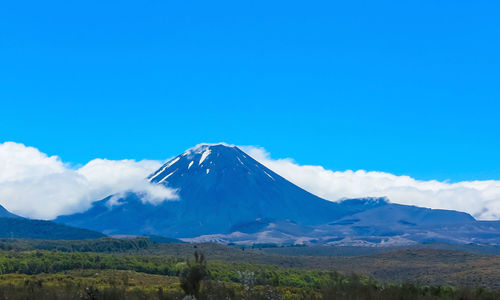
(35,185)
(479,198)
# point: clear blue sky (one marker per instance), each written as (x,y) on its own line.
(409,88)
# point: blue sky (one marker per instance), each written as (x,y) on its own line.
(407,88)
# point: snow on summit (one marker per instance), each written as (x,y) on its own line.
(199,158)
(218,160)
(205,154)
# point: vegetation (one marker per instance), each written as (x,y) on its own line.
(114,284)
(77,275)
(140,269)
(90,245)
(418,266)
(193,274)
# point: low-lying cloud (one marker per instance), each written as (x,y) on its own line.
(35,185)
(479,198)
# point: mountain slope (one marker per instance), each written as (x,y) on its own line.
(7,214)
(225,192)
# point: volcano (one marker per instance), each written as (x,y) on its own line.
(224,193)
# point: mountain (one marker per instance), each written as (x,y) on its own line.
(219,187)
(14,226)
(227,196)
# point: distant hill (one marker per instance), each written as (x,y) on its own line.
(7,214)
(226,196)
(47,230)
(14,226)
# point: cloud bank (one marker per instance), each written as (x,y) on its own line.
(35,185)
(478,198)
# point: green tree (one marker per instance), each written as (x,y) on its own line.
(193,274)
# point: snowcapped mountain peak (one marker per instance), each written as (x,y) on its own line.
(223,186)
(206,146)
(217,160)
